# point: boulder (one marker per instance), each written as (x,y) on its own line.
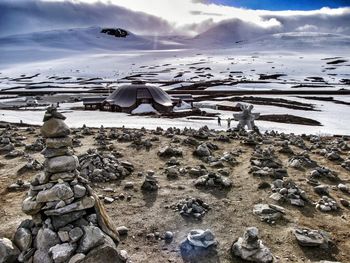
(54,128)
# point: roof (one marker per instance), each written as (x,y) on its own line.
(126,96)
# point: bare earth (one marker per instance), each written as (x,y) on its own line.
(231,211)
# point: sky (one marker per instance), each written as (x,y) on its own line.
(186,17)
(284,5)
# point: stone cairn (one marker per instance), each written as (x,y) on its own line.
(69,224)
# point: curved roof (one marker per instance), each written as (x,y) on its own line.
(125,96)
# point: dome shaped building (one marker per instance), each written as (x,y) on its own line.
(127,98)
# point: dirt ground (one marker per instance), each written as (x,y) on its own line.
(231,211)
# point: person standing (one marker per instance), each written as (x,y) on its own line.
(229,123)
(219,121)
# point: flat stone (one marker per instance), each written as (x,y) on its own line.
(85,203)
(310,238)
(62,252)
(58,142)
(56,193)
(54,152)
(65,176)
(61,164)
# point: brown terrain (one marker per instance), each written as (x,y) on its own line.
(230,213)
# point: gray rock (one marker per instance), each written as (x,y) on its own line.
(41,256)
(64,236)
(23,238)
(122,230)
(168,236)
(54,128)
(75,234)
(79,191)
(77,258)
(321,189)
(30,206)
(58,142)
(56,193)
(103,253)
(8,251)
(93,237)
(62,252)
(202,151)
(61,164)
(311,238)
(84,203)
(46,238)
(54,152)
(63,220)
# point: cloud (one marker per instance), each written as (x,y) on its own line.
(23,16)
(188,17)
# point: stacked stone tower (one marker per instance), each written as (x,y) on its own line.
(69,223)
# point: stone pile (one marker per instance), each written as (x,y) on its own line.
(287,190)
(268,213)
(69,224)
(323,172)
(19,185)
(31,165)
(139,144)
(264,162)
(86,131)
(302,161)
(173,172)
(150,183)
(326,204)
(312,238)
(169,151)
(285,148)
(250,247)
(213,180)
(101,138)
(191,207)
(346,164)
(198,243)
(37,146)
(103,167)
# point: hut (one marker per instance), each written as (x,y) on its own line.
(137,97)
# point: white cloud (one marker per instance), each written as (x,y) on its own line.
(163,16)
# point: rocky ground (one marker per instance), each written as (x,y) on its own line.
(225,175)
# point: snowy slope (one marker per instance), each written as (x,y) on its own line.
(62,43)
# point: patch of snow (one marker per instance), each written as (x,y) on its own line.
(144,108)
